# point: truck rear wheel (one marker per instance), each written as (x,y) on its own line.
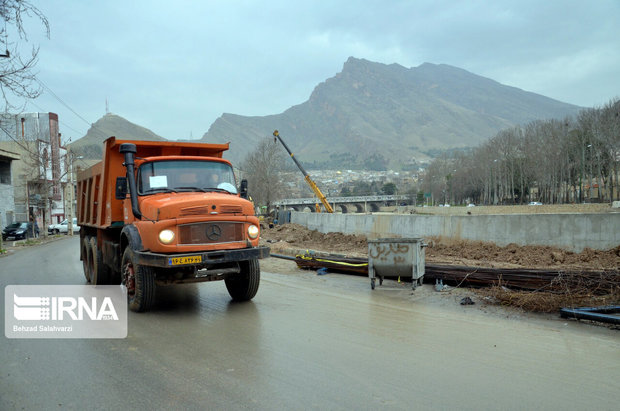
(101,273)
(85,258)
(139,281)
(244,286)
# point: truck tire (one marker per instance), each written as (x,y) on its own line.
(139,281)
(244,286)
(101,273)
(85,259)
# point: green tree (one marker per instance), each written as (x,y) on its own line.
(361,188)
(389,189)
(419,197)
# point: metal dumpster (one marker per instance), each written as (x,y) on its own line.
(394,258)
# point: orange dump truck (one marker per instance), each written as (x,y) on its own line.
(161,213)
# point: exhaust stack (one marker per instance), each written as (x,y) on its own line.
(129,150)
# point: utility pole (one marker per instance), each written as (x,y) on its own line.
(69,194)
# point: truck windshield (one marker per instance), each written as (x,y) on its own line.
(185,175)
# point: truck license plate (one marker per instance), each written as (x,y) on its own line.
(185,260)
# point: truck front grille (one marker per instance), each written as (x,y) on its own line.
(205,210)
(211,233)
(231,209)
(193,211)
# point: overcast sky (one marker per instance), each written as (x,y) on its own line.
(175,66)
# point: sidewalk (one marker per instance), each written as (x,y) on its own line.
(10,247)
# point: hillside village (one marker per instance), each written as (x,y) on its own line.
(333,182)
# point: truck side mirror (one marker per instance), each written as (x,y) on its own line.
(121,188)
(243,189)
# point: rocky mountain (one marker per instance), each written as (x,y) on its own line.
(374,114)
(90,146)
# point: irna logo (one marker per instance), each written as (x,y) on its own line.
(65,311)
(62,308)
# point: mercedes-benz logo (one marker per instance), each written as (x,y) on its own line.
(214,232)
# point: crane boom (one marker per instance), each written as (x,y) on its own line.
(311,183)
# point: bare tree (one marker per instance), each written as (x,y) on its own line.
(554,161)
(262,168)
(610,133)
(16,76)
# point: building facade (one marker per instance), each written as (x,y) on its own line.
(7,194)
(39,175)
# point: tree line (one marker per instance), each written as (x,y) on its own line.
(550,161)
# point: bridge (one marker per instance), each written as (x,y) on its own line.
(357,204)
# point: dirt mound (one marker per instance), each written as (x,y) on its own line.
(524,256)
(447,251)
(299,237)
(283,238)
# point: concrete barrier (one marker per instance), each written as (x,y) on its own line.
(572,232)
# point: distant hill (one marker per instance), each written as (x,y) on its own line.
(374,114)
(90,146)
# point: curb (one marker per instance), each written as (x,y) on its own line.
(20,244)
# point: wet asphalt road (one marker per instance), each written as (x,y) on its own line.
(304,342)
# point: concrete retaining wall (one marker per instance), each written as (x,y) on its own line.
(572,232)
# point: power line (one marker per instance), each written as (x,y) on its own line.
(61,122)
(67,106)
(61,101)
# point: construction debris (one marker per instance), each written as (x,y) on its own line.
(598,282)
(335,263)
(444,251)
(533,278)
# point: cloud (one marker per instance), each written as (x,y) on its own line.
(175,67)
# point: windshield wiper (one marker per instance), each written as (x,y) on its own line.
(160,190)
(219,190)
(190,188)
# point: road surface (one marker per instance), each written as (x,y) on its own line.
(304,342)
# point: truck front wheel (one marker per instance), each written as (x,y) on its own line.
(244,286)
(139,281)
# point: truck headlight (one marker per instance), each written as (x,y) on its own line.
(166,236)
(253,231)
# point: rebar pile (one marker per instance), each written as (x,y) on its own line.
(596,282)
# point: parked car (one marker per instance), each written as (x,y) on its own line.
(63,227)
(535,203)
(20,230)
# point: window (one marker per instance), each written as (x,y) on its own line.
(185,175)
(5,172)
